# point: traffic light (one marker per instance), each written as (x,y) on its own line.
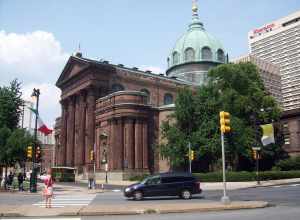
(92,155)
(254,154)
(225,122)
(38,154)
(192,156)
(29,152)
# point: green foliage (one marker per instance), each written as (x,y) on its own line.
(246,176)
(138,178)
(237,89)
(10,105)
(292,163)
(14,149)
(13,140)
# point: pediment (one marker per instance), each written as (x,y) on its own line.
(73,67)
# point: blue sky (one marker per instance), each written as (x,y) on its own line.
(133,32)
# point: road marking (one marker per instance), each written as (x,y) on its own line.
(56,218)
(295,185)
(276,186)
(61,201)
(116,190)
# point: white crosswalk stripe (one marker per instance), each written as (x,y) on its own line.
(60,201)
(289,185)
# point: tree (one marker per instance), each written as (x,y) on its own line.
(235,88)
(13,140)
(13,146)
(10,105)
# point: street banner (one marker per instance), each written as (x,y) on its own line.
(268,134)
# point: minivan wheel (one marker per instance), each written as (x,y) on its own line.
(186,194)
(138,195)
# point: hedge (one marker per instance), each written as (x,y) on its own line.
(292,163)
(246,176)
(239,176)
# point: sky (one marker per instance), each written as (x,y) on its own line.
(38,36)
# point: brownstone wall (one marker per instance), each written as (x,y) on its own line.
(131,122)
(291,129)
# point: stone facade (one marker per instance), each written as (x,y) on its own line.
(112,110)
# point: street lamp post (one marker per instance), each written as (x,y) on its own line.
(33,179)
(104,161)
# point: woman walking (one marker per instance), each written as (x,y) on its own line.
(48,190)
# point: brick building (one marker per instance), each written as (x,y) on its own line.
(117,111)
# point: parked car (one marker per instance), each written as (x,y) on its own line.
(165,184)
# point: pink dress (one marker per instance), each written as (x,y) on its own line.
(48,181)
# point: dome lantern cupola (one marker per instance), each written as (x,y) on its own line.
(195,52)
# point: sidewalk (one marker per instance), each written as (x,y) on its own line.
(130,209)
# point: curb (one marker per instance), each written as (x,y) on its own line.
(133,210)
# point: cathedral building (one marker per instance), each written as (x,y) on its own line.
(111,114)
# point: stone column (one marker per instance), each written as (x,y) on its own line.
(63,134)
(118,157)
(111,146)
(71,133)
(90,123)
(138,147)
(78,160)
(145,145)
(129,143)
(82,128)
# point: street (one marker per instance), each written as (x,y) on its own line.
(284,200)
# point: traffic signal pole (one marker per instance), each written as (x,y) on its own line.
(225,128)
(225,199)
(33,179)
(257,167)
(190,159)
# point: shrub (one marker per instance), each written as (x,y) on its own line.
(292,163)
(246,176)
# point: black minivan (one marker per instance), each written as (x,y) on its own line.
(164,184)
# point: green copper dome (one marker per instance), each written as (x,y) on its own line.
(196,46)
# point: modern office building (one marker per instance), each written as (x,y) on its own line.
(269,73)
(278,42)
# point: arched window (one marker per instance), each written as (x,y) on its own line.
(220,55)
(206,53)
(168,99)
(147,93)
(117,87)
(189,55)
(168,60)
(175,58)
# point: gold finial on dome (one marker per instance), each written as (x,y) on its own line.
(195,7)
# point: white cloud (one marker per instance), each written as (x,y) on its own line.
(35,56)
(49,106)
(154,69)
(36,59)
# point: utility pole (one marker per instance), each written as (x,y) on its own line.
(33,179)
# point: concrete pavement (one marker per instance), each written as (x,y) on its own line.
(209,204)
(130,209)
